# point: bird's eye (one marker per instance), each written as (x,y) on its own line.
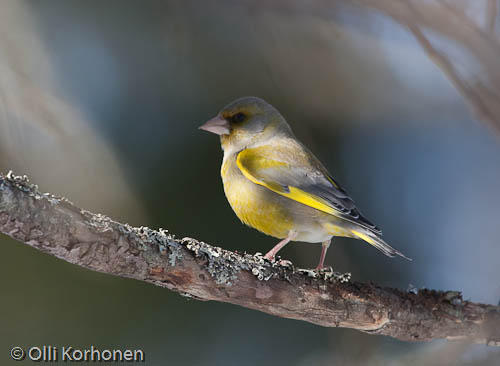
(237,118)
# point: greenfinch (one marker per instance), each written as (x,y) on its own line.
(277,186)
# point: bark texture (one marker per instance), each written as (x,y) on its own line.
(204,272)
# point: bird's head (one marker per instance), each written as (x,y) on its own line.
(246,122)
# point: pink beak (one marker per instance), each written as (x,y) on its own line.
(217,125)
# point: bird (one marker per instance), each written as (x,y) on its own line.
(276,185)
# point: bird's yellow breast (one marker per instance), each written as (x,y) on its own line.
(255,205)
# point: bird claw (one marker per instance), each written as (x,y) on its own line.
(280,262)
(270,258)
(324,269)
(285,263)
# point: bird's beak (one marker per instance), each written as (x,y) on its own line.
(217,125)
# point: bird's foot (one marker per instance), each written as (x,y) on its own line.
(323,268)
(270,257)
(285,263)
(281,262)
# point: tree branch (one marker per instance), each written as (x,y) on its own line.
(195,269)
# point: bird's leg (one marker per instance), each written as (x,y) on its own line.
(324,248)
(272,253)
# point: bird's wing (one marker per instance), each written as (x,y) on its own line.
(290,170)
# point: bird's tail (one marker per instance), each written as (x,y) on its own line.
(377,242)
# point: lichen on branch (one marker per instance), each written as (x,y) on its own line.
(198,270)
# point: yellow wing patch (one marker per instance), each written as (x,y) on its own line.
(363,237)
(254,161)
(309,199)
(249,162)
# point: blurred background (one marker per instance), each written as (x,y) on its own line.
(100,102)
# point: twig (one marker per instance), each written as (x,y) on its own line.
(481,44)
(195,269)
(491,15)
(472,95)
(484,46)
